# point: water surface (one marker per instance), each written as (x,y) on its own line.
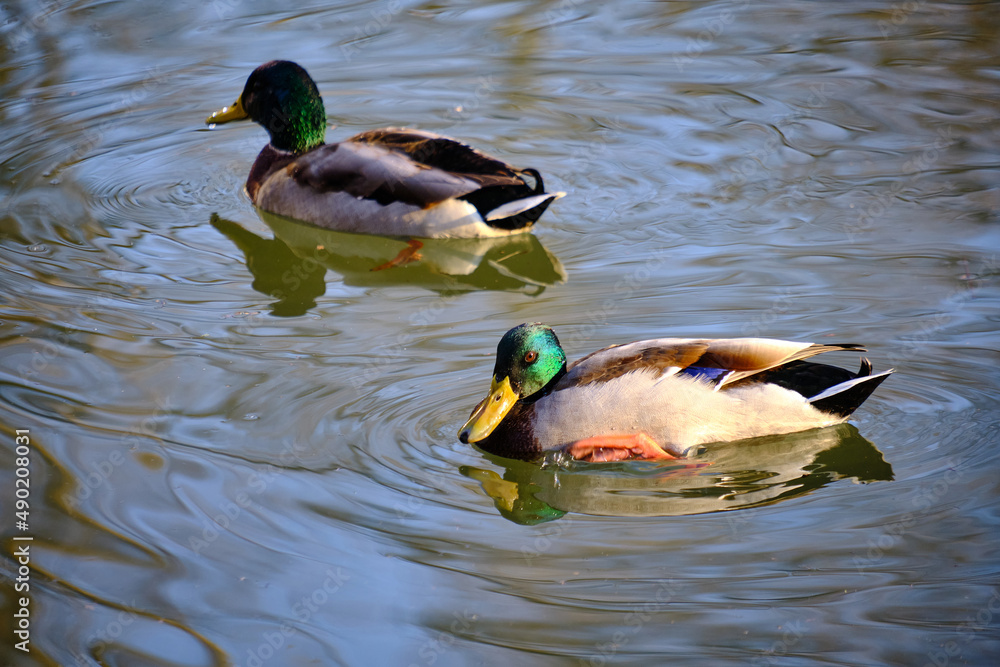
(243,437)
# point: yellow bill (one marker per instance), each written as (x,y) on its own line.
(490,412)
(227,114)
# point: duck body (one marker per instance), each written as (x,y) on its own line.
(393,181)
(658,398)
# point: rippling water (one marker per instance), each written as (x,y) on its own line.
(243,437)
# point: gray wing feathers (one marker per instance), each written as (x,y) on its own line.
(373,172)
(743,356)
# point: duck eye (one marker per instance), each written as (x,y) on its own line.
(529,357)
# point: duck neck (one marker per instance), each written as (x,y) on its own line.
(547,389)
(299,127)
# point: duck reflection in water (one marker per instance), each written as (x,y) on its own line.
(292,266)
(721,477)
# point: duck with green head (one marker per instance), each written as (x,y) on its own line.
(392,181)
(656,399)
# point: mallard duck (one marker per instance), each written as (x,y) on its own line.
(391,181)
(655,399)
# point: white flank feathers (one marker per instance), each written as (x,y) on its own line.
(678,412)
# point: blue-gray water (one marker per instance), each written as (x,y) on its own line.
(243,449)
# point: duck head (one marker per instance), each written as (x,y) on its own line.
(281,97)
(529,361)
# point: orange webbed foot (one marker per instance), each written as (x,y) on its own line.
(617,447)
(408,254)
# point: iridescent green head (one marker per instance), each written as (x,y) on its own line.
(281,97)
(529,355)
(529,358)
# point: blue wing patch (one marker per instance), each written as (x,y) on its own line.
(713,376)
